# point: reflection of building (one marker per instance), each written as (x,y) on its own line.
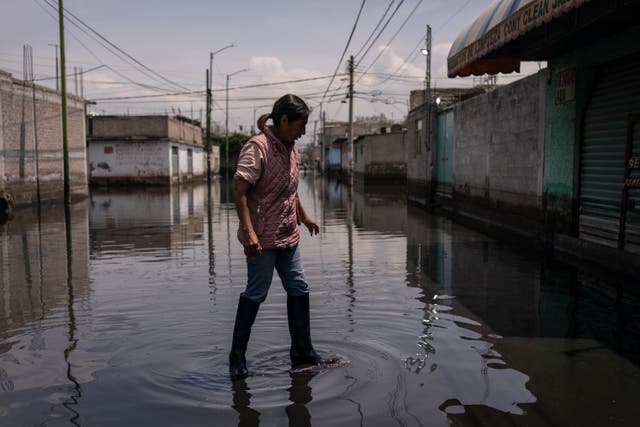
(429,249)
(31,142)
(170,216)
(380,212)
(146,149)
(33,267)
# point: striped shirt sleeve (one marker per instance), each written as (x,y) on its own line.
(249,163)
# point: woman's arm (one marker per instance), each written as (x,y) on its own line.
(308,222)
(240,188)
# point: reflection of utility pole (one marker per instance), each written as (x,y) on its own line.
(73,341)
(350,135)
(208,150)
(211,249)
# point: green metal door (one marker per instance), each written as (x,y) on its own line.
(444,152)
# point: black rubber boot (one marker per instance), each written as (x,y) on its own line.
(302,352)
(245,316)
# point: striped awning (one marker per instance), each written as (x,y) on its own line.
(503,22)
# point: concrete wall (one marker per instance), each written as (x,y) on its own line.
(18,135)
(184,131)
(499,150)
(380,159)
(128,161)
(120,127)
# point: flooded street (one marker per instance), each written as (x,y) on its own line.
(130,324)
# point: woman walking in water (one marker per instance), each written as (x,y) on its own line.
(267,203)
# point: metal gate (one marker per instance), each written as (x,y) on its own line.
(444,153)
(610,148)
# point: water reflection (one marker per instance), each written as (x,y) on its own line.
(247,417)
(440,325)
(41,281)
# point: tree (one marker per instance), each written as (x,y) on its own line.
(236,141)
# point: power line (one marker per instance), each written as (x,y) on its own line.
(392,39)
(214,90)
(355,24)
(380,32)
(413,53)
(115,46)
(376,27)
(145,86)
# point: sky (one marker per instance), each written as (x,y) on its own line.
(168,45)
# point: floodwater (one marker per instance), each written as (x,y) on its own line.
(125,319)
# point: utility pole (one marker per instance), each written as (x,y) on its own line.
(63,84)
(350,134)
(427,92)
(226,132)
(226,124)
(323,155)
(57,77)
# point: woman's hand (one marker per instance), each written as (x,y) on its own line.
(311,225)
(253,248)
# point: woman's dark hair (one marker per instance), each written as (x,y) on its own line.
(291,106)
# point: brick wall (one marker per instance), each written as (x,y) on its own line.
(31,150)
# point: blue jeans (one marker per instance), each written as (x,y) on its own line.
(288,264)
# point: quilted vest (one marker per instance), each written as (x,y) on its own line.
(272,199)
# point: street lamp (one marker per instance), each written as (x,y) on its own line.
(226,124)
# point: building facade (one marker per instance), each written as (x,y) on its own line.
(554,157)
(146,150)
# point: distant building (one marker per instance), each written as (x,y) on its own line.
(146,150)
(380,159)
(333,137)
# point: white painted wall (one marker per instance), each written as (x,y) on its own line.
(129,159)
(124,159)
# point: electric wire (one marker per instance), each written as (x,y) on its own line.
(390,41)
(380,32)
(67,12)
(145,86)
(376,28)
(355,24)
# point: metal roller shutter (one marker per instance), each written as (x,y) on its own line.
(604,154)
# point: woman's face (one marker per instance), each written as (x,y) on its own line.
(289,132)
